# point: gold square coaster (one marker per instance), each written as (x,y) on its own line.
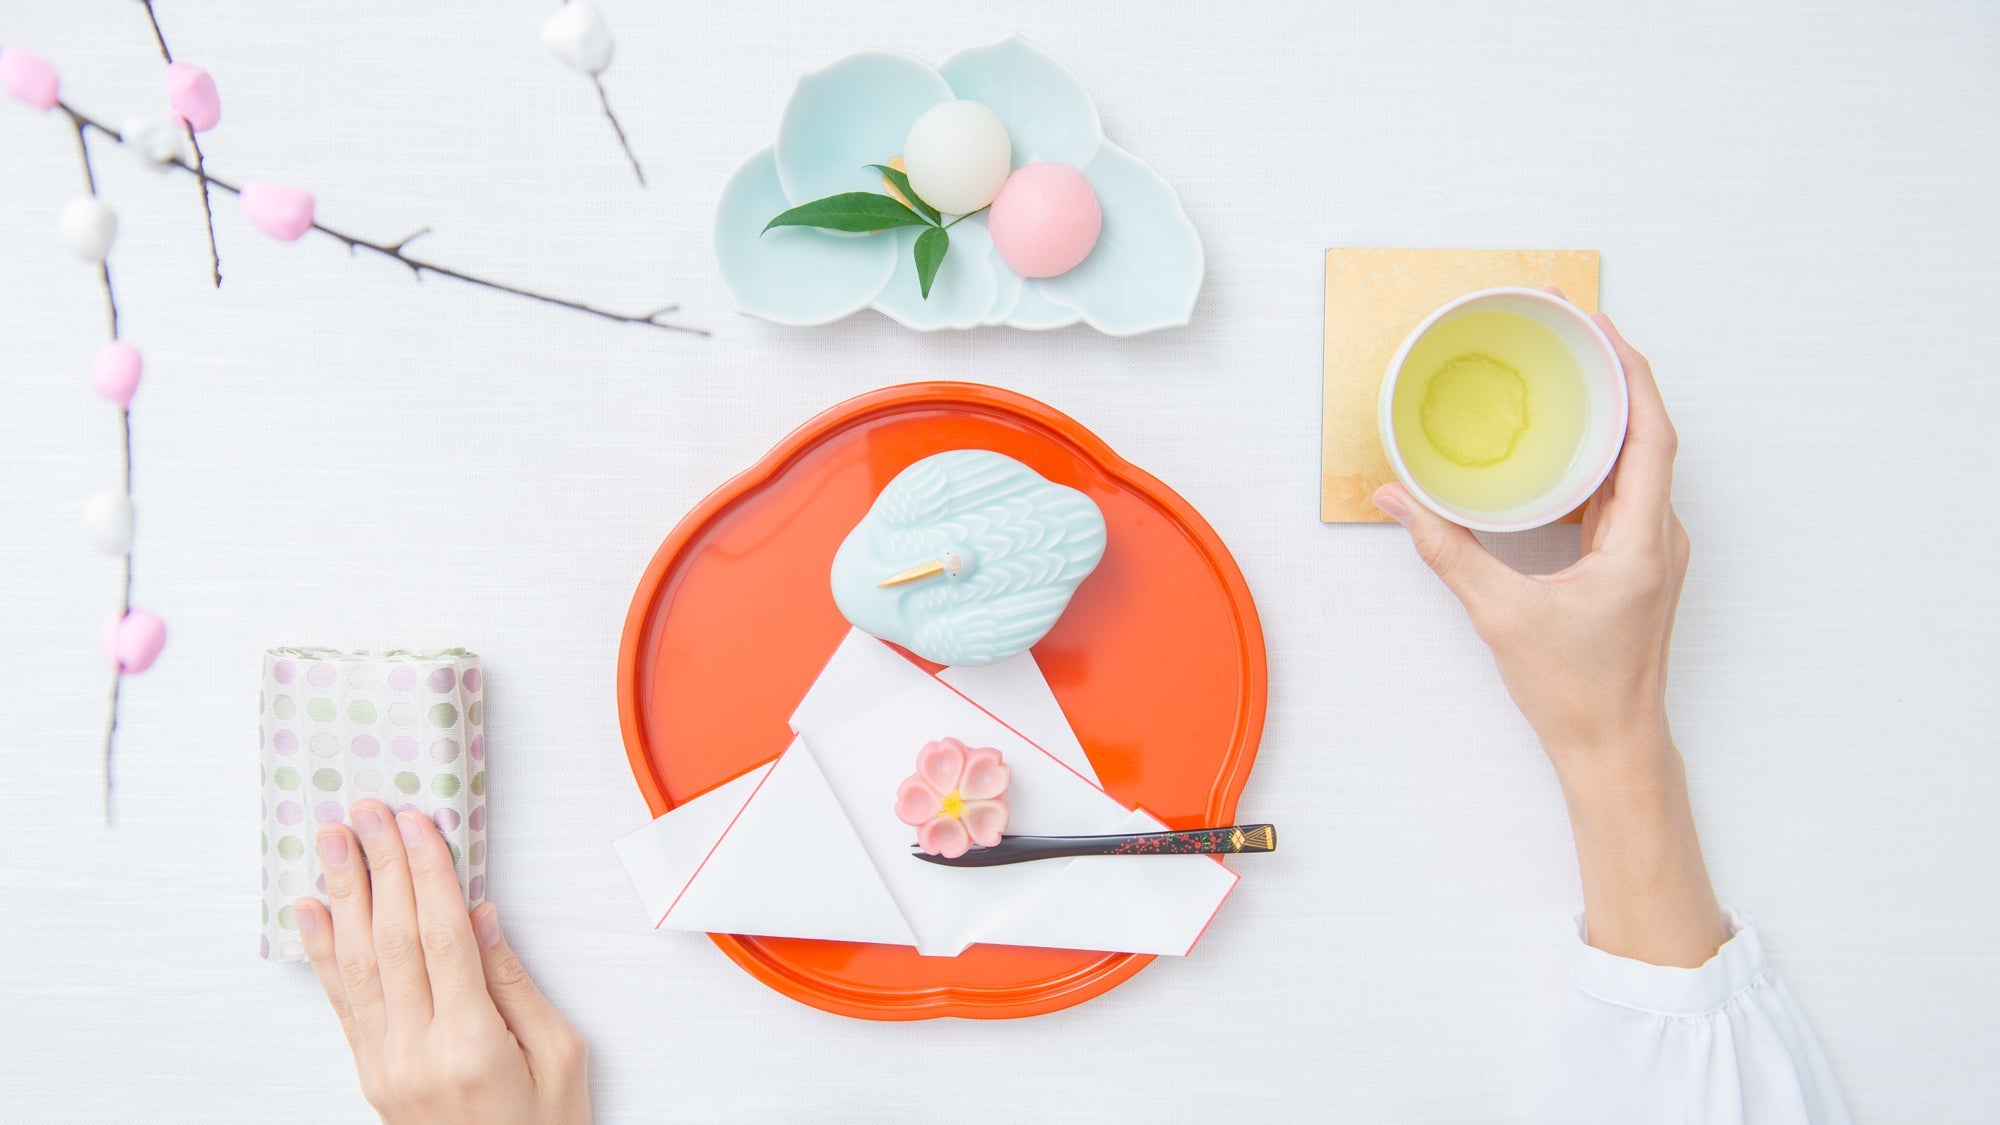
(1373,298)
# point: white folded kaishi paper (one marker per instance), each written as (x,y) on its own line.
(404,727)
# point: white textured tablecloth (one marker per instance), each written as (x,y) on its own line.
(1796,207)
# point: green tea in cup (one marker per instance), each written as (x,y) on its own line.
(1504,410)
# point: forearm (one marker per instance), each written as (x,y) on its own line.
(1646,891)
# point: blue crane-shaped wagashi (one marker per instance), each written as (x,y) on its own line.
(967,557)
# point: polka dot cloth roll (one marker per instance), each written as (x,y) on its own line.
(407,728)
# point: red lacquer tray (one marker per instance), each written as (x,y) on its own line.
(1158,663)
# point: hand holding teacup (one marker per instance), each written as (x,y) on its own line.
(1583,652)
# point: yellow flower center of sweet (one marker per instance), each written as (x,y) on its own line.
(953,806)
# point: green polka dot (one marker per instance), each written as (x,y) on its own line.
(286,920)
(262,776)
(264,913)
(407,782)
(263,844)
(283,707)
(443,715)
(479,784)
(327,780)
(260,702)
(290,848)
(454,851)
(361,711)
(473,712)
(287,778)
(444,785)
(320,709)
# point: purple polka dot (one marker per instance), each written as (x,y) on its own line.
(478,748)
(328,812)
(478,887)
(443,680)
(365,746)
(404,747)
(320,675)
(289,812)
(479,818)
(406,806)
(264,946)
(403,678)
(284,671)
(265,874)
(319,883)
(447,819)
(472,679)
(285,742)
(263,807)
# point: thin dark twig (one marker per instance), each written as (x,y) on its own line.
(412,237)
(124,608)
(125,427)
(90,182)
(395,252)
(207,211)
(618,129)
(111,740)
(157,36)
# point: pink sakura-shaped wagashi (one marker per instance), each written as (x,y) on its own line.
(957,798)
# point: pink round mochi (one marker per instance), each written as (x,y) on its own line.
(28,77)
(279,211)
(192,97)
(115,372)
(1045,220)
(132,641)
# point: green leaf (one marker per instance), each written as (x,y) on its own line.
(902,183)
(931,246)
(850,211)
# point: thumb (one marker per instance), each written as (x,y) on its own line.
(529,1015)
(1468,569)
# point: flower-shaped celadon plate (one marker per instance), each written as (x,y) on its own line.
(1144,273)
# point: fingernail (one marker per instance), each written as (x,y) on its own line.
(488,925)
(1393,505)
(412,835)
(308,918)
(367,822)
(333,848)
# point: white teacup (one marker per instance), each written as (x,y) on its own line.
(1604,408)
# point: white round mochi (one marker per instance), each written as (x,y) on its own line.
(957,155)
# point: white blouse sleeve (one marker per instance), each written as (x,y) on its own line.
(1724,1044)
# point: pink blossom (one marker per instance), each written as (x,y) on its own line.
(132,641)
(28,77)
(956,799)
(191,94)
(115,371)
(279,211)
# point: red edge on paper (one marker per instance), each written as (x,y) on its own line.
(730,827)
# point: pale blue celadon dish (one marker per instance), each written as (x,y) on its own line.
(1007,546)
(1144,273)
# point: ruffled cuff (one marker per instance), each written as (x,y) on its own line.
(1665,990)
